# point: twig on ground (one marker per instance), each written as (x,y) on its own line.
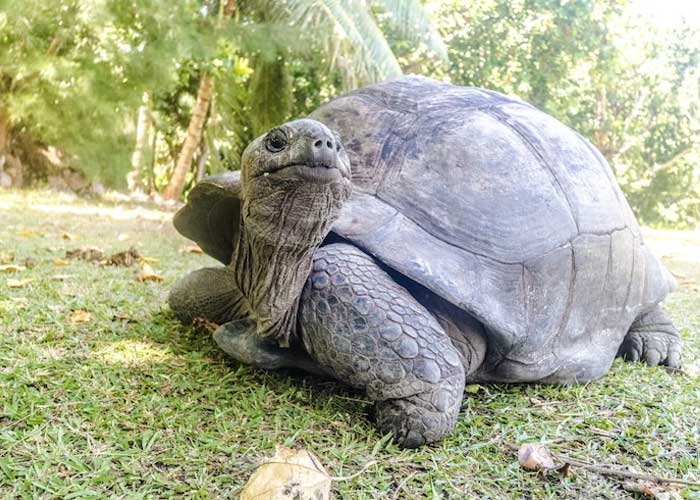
(610,470)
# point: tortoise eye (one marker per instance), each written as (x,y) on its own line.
(276,140)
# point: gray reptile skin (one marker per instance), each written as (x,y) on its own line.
(478,239)
(372,334)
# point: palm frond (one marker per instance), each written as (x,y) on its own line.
(410,19)
(270,95)
(352,22)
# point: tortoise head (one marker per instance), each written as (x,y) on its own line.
(294,180)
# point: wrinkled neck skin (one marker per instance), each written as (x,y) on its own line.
(281,228)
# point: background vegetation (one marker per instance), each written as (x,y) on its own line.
(114,90)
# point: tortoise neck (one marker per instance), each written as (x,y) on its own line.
(271,274)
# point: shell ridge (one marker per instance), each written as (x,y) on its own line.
(524,136)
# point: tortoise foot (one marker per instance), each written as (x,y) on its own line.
(652,339)
(421,419)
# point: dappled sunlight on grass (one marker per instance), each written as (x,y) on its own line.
(53,203)
(117,213)
(132,353)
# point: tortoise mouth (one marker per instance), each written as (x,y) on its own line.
(316,172)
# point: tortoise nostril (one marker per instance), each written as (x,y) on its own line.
(329,144)
(318,143)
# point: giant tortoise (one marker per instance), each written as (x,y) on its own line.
(477,239)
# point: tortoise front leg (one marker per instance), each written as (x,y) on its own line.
(369,332)
(238,340)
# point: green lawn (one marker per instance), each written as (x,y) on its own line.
(131,404)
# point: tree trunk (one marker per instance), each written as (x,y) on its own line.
(135,178)
(5,180)
(194,131)
(4,132)
(202,162)
(152,166)
(194,135)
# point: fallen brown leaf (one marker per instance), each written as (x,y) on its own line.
(146,273)
(58,262)
(67,236)
(123,317)
(149,260)
(192,249)
(124,259)
(79,316)
(6,258)
(289,474)
(88,252)
(11,268)
(535,456)
(651,490)
(26,233)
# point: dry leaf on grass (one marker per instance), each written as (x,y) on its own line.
(6,258)
(149,260)
(26,233)
(535,456)
(58,262)
(123,317)
(651,490)
(147,274)
(289,474)
(13,283)
(192,249)
(11,268)
(88,252)
(126,258)
(67,236)
(79,316)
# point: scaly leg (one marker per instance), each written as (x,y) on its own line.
(653,339)
(369,332)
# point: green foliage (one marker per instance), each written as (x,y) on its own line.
(628,87)
(72,72)
(270,94)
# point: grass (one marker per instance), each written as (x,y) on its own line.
(131,404)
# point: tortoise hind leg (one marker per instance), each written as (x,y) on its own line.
(652,338)
(207,293)
(369,332)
